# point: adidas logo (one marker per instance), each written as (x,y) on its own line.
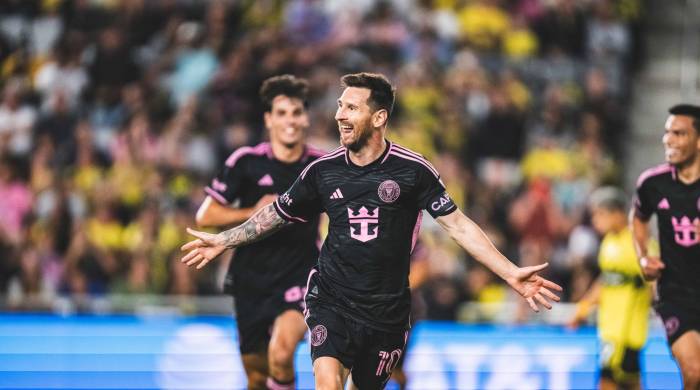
(266,181)
(337,194)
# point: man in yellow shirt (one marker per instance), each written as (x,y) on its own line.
(622,297)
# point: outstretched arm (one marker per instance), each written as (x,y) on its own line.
(523,280)
(212,213)
(208,246)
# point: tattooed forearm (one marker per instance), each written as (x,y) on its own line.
(262,224)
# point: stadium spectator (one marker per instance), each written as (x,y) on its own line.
(100,108)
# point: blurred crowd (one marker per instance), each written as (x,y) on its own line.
(114,114)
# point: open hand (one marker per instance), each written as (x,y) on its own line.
(533,287)
(204,249)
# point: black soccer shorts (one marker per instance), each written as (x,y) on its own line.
(256,314)
(370,354)
(677,319)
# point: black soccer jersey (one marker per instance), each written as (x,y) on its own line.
(374,213)
(677,207)
(286,257)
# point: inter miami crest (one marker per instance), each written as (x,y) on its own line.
(318,335)
(389,191)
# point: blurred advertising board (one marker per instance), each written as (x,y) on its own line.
(176,352)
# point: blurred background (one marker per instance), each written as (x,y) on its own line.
(115,114)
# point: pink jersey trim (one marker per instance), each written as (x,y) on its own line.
(219,198)
(259,150)
(420,161)
(313,152)
(655,171)
(418,156)
(328,156)
(391,147)
(287,215)
(416,230)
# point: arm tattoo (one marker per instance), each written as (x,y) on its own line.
(263,223)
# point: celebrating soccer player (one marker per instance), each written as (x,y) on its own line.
(373,190)
(268,278)
(672,192)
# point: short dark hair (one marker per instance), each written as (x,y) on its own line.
(688,110)
(382,93)
(608,198)
(286,85)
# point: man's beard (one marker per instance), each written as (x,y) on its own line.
(360,142)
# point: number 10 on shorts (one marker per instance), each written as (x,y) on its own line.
(388,361)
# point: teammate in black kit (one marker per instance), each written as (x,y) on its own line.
(373,190)
(268,278)
(672,192)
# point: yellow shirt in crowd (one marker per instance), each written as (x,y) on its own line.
(623,311)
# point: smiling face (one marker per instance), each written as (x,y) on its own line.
(287,121)
(681,140)
(355,118)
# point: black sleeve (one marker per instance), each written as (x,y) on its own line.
(300,202)
(643,205)
(432,195)
(226,185)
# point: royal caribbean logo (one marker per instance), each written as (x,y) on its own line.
(364,218)
(685,230)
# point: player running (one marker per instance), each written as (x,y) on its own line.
(268,278)
(672,192)
(373,191)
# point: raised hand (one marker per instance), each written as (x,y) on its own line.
(204,249)
(534,288)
